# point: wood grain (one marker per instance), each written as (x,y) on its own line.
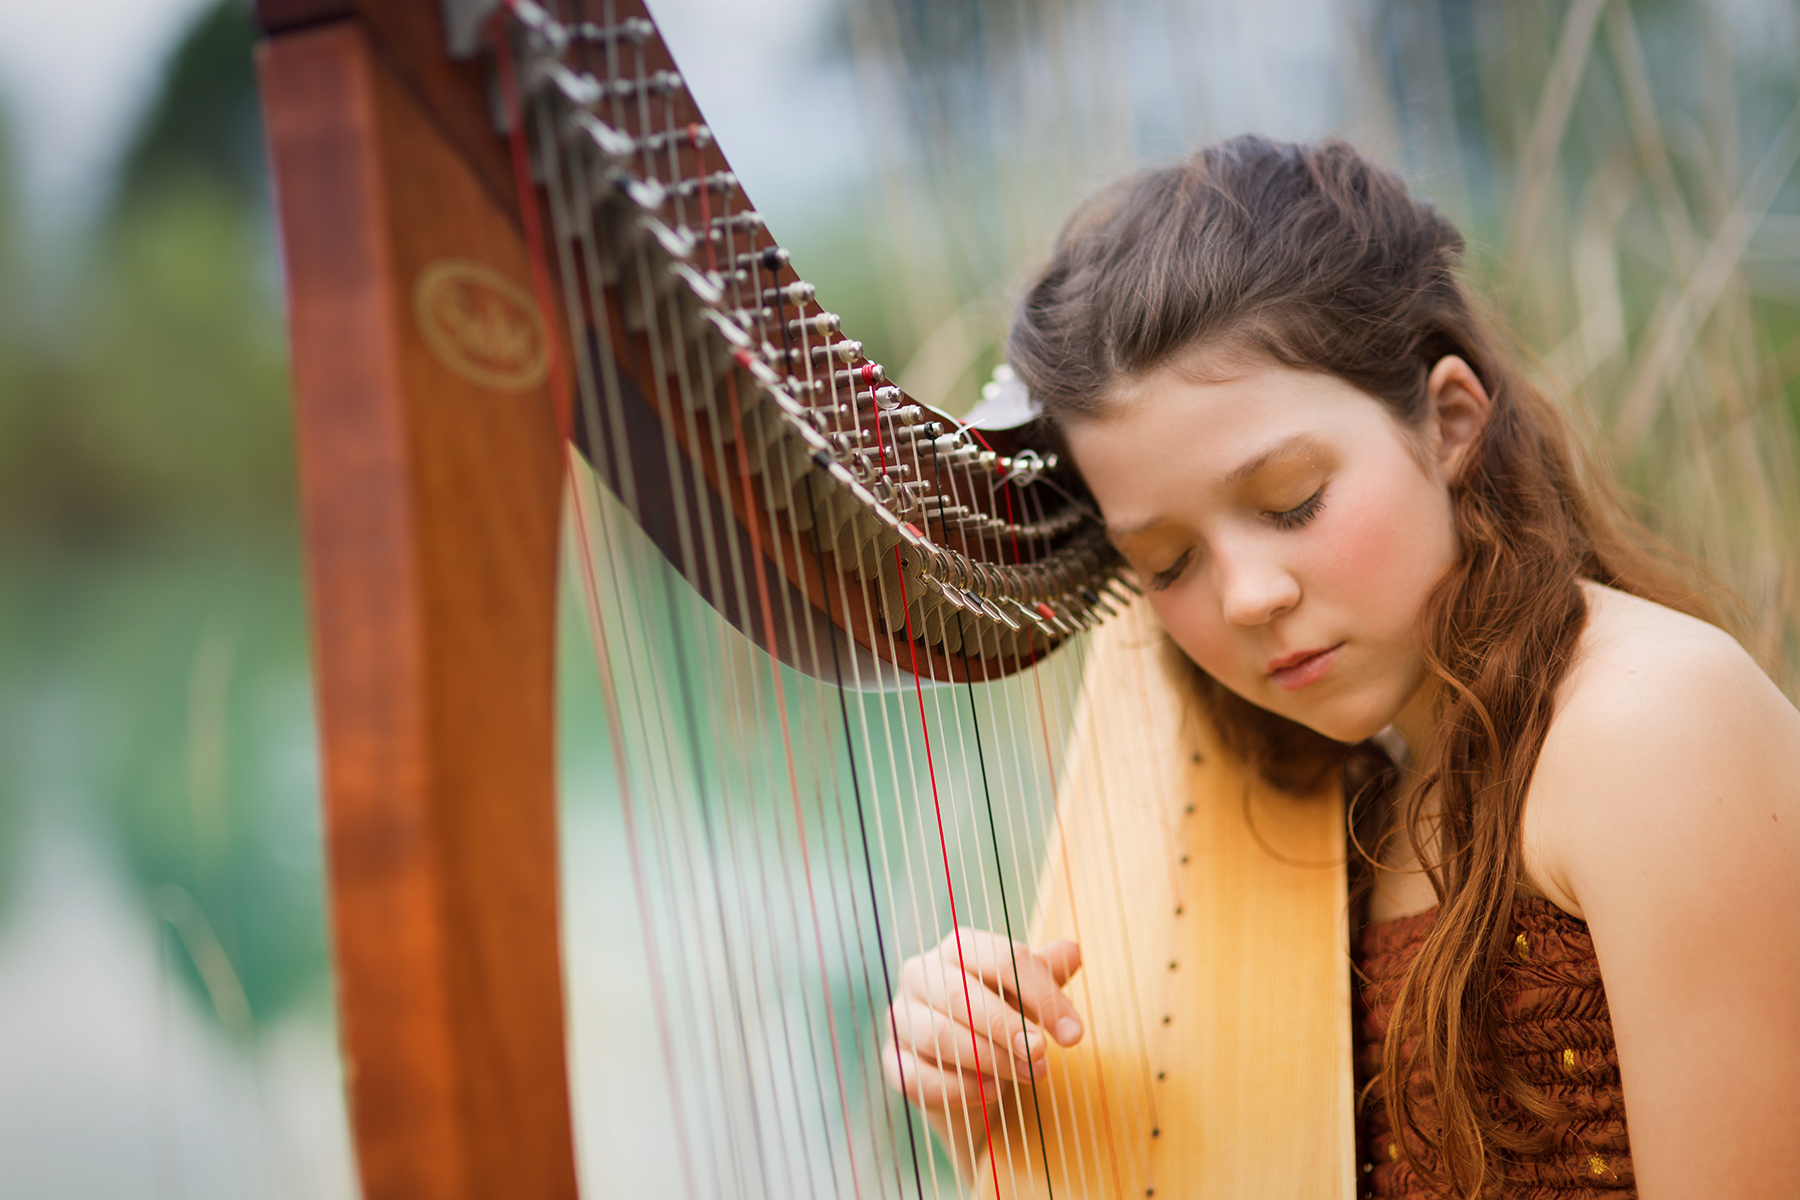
(431,509)
(1215,983)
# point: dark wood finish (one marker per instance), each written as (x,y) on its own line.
(407,37)
(431,510)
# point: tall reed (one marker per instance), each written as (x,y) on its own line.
(1624,171)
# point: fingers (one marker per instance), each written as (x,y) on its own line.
(960,1032)
(1037,986)
(964,1003)
(930,1085)
(990,1049)
(1062,958)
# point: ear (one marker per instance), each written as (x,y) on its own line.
(1459,410)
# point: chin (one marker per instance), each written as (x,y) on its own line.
(1345,725)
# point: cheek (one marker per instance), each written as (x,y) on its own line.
(1384,553)
(1192,618)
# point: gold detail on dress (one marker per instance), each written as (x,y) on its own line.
(1522,947)
(1597,1166)
(1393,1151)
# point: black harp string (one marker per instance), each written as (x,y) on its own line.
(999,868)
(734,257)
(955,784)
(736,398)
(660,351)
(1040,854)
(1067,707)
(872,1079)
(877,632)
(879,629)
(787,483)
(758,855)
(1005,1131)
(955,494)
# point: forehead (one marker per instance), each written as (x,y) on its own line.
(1203,422)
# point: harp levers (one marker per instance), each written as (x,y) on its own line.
(844,695)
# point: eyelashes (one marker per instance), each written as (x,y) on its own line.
(1301,513)
(1294,518)
(1164,578)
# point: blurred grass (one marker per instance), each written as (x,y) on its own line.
(152,630)
(1624,173)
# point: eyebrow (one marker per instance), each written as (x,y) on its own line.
(1299,443)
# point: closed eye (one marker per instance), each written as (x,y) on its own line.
(1166,577)
(1301,513)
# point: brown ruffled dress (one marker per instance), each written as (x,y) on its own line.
(1556,1027)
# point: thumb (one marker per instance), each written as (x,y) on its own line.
(1063,957)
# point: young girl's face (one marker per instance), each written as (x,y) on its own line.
(1286,528)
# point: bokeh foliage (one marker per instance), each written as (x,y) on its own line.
(153,635)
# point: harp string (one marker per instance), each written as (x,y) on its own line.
(862,827)
(732,839)
(612,449)
(1037,1115)
(875,1099)
(680,359)
(1005,908)
(676,354)
(726,938)
(583,511)
(982,773)
(1067,704)
(938,813)
(534,243)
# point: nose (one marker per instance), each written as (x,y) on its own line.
(1254,588)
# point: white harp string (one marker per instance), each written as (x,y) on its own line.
(783,863)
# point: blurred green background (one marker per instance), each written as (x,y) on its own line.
(1625,173)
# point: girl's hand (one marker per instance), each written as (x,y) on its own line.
(940,1032)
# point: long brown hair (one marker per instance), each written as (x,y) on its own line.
(1320,260)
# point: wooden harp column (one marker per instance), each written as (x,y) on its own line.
(431,487)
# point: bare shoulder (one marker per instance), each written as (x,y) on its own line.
(1668,740)
(1665,812)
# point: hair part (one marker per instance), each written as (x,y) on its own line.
(1320,260)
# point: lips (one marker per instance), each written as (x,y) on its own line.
(1291,672)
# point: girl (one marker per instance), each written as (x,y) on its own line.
(1579,944)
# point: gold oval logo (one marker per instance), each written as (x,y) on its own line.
(481,325)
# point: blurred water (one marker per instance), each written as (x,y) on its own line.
(165,1019)
(118,1083)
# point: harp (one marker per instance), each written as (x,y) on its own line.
(527,294)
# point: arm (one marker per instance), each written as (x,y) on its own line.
(1666,811)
